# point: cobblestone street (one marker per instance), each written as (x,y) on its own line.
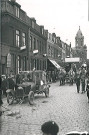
(65,106)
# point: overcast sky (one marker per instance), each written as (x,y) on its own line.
(60,16)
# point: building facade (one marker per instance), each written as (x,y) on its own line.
(25,45)
(20,37)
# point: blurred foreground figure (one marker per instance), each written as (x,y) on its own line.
(50,128)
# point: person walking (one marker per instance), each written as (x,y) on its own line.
(77,81)
(4,86)
(83,77)
(61,77)
(50,128)
(71,76)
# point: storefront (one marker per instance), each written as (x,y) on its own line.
(53,69)
(52,65)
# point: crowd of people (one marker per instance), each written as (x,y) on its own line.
(82,80)
(80,77)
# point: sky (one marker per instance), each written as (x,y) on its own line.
(60,16)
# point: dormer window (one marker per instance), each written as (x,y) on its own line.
(17,11)
(42,31)
(33,24)
(48,35)
(56,40)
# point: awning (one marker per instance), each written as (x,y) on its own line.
(55,63)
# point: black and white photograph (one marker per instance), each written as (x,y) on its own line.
(44,67)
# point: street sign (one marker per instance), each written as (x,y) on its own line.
(35,51)
(76,59)
(8,60)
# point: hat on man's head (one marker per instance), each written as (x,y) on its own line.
(50,127)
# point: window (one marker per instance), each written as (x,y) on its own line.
(18,68)
(56,40)
(31,42)
(49,50)
(17,12)
(17,38)
(40,46)
(23,39)
(45,48)
(48,35)
(37,44)
(33,24)
(42,31)
(24,63)
(34,43)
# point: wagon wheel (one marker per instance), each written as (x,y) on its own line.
(47,92)
(31,97)
(10,98)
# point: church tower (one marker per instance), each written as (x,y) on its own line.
(80,47)
(79,39)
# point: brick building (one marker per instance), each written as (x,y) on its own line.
(20,36)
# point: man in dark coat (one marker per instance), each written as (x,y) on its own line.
(83,77)
(87,89)
(10,83)
(77,81)
(4,86)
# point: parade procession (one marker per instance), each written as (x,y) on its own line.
(44,79)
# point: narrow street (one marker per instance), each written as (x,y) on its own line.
(65,106)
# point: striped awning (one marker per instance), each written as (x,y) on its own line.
(55,64)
